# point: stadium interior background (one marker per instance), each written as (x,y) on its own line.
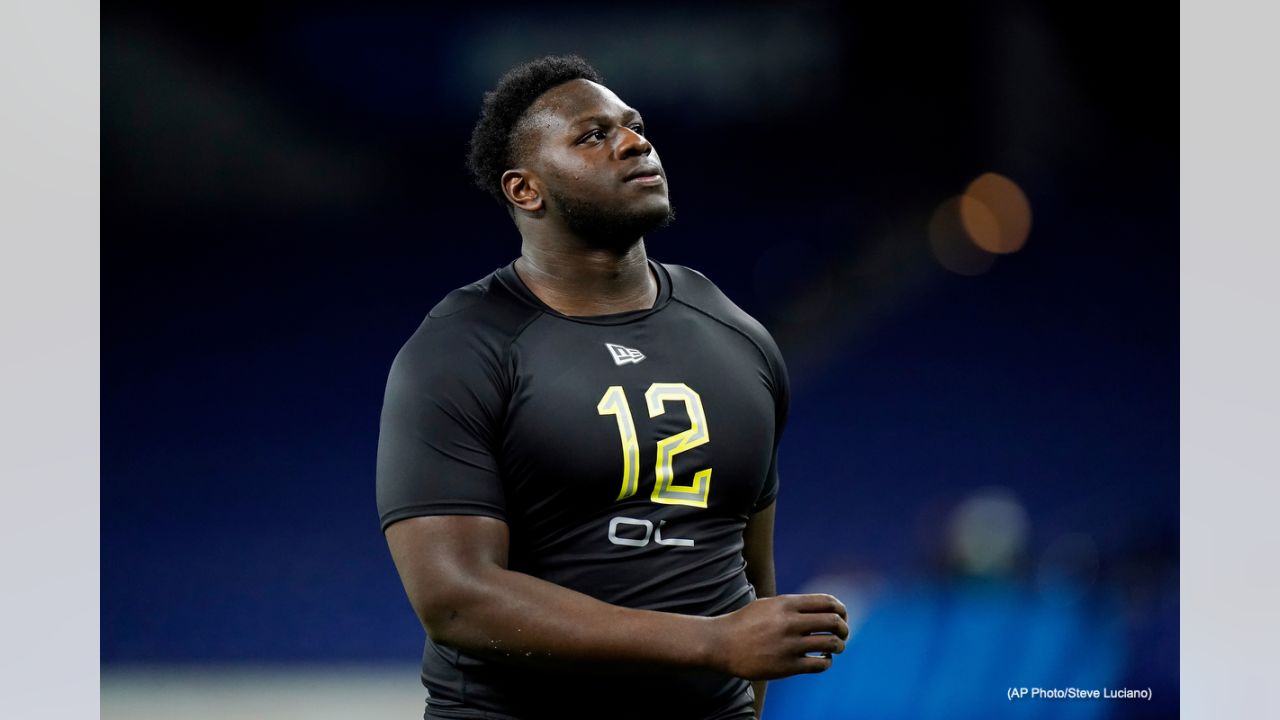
(959,220)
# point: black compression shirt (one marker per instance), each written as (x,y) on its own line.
(625,452)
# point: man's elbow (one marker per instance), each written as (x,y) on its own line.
(445,608)
(451,568)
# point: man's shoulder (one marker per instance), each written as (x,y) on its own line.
(482,296)
(479,317)
(692,287)
(696,290)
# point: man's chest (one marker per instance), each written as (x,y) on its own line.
(674,412)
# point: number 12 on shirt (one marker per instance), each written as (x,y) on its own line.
(665,490)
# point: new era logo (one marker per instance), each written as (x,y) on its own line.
(623,355)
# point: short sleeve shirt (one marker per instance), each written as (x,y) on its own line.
(625,452)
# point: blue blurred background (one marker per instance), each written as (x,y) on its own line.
(982,453)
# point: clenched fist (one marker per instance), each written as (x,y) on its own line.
(771,638)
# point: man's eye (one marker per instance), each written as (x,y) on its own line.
(594,134)
(638,127)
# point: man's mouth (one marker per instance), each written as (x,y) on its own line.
(646,180)
(645,174)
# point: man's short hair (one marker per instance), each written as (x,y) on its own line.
(492,150)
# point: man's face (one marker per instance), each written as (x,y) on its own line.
(598,171)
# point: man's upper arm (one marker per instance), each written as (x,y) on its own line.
(757,536)
(440,497)
(436,555)
(440,423)
(757,550)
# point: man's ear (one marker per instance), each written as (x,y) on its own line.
(523,188)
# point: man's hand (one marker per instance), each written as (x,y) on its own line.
(770,638)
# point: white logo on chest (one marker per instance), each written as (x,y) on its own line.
(623,355)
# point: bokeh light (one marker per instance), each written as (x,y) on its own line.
(995,214)
(988,532)
(951,245)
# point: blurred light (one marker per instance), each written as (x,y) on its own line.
(951,245)
(988,532)
(995,214)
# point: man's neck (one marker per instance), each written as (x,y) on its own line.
(580,281)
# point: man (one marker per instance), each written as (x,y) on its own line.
(577,462)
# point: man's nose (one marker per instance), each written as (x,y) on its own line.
(631,143)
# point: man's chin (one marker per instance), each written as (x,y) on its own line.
(660,219)
(642,225)
(618,228)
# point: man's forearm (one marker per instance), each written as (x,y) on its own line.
(511,616)
(757,550)
(766,587)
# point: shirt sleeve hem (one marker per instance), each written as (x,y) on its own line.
(453,508)
(764,502)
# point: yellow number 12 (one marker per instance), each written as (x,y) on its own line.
(665,490)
